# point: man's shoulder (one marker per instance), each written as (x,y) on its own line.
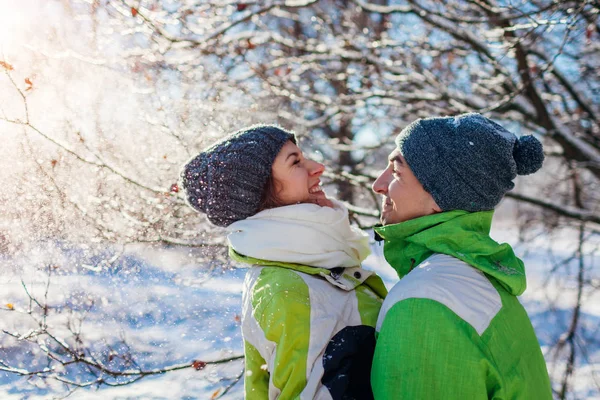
(453,283)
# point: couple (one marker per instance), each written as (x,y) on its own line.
(316,325)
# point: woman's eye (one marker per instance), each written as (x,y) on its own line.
(296,162)
(397,173)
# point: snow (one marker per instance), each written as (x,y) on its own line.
(165,321)
(170,310)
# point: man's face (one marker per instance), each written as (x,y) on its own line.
(404,197)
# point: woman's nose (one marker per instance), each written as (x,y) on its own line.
(316,168)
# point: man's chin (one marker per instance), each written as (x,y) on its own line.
(387,220)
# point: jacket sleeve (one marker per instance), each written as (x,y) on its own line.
(285,320)
(425,351)
(256,378)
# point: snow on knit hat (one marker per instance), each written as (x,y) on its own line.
(467,162)
(226,181)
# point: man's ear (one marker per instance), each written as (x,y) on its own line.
(434,206)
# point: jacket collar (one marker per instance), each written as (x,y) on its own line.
(344,278)
(457,233)
(305,234)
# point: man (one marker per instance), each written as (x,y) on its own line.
(452,327)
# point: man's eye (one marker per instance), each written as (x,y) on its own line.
(297,161)
(397,173)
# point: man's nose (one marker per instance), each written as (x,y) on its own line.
(381,183)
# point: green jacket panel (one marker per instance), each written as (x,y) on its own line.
(434,356)
(288,330)
(256,377)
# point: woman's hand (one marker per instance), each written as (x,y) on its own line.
(321,199)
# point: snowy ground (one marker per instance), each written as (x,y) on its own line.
(160,303)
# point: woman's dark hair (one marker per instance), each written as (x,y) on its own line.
(270,198)
(270,195)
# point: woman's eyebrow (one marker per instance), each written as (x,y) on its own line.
(294,153)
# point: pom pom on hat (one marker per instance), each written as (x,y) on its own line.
(528,154)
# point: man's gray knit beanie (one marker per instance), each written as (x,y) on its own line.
(467,162)
(227,180)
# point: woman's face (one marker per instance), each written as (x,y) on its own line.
(297,178)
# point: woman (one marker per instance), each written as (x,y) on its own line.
(309,310)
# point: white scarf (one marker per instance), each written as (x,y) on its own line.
(305,234)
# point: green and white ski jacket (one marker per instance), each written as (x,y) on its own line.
(308,326)
(453,328)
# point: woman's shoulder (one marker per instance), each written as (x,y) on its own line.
(275,289)
(268,282)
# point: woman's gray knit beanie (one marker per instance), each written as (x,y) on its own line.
(467,162)
(227,180)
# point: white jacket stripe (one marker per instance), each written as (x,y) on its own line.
(453,283)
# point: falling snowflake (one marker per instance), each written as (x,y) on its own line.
(507,270)
(456,122)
